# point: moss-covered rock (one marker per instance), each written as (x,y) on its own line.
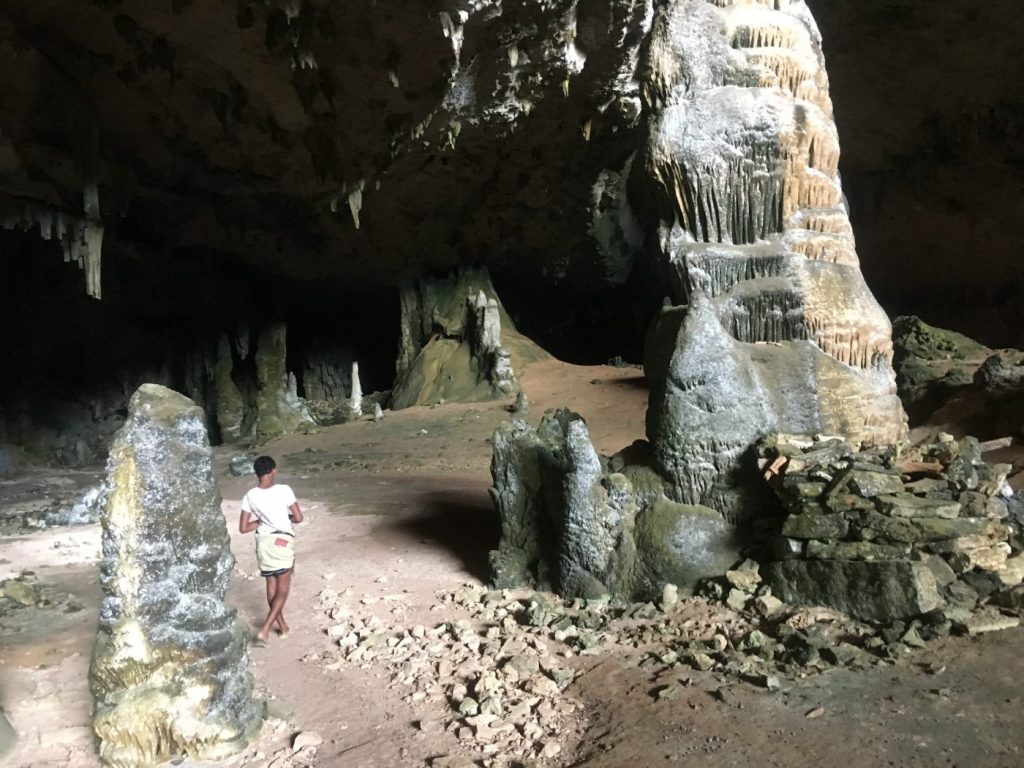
(682,544)
(458,344)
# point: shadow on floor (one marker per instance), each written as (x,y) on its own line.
(464,523)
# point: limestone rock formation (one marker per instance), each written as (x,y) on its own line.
(278,407)
(457,343)
(169,668)
(230,403)
(742,168)
(955,384)
(573,524)
(769,325)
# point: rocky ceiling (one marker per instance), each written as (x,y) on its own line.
(366,143)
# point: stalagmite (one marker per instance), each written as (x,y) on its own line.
(230,403)
(169,673)
(770,327)
(355,398)
(743,149)
(278,407)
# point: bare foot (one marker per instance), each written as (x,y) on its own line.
(283,628)
(261,638)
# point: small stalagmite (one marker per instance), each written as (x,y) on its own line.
(169,673)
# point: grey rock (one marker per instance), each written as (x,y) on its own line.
(552,480)
(682,545)
(905,505)
(870,484)
(944,575)
(816,526)
(856,550)
(745,577)
(1002,371)
(768,606)
(874,591)
(737,599)
(164,628)
(22,591)
(669,597)
(241,465)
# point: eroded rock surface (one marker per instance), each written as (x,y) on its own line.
(742,164)
(457,343)
(572,523)
(169,673)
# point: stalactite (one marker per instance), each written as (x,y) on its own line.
(80,237)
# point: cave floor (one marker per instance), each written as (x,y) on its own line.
(398,513)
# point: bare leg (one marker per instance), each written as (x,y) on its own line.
(282,625)
(284,582)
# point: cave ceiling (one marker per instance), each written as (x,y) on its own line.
(367,143)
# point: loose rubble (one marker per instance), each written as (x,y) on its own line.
(889,536)
(501,671)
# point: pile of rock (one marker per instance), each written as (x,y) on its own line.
(501,683)
(884,536)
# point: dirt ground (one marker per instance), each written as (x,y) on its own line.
(397,514)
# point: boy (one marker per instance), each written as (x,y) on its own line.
(270,510)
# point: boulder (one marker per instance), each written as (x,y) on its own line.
(683,544)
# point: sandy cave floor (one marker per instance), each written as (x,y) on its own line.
(397,514)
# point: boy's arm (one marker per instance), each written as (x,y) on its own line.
(246,523)
(295,513)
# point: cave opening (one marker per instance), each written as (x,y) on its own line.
(72,362)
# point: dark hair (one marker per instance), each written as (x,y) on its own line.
(264,465)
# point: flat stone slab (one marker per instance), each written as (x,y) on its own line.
(905,505)
(869,484)
(875,591)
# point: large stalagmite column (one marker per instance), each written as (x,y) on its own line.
(169,672)
(278,407)
(782,334)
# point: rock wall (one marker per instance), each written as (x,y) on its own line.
(741,166)
(169,673)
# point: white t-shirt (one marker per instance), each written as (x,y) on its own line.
(270,507)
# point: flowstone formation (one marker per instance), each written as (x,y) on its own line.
(169,673)
(457,343)
(781,334)
(768,327)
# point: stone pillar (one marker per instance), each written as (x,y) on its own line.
(278,408)
(355,399)
(741,167)
(230,403)
(169,672)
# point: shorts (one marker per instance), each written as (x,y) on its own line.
(275,553)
